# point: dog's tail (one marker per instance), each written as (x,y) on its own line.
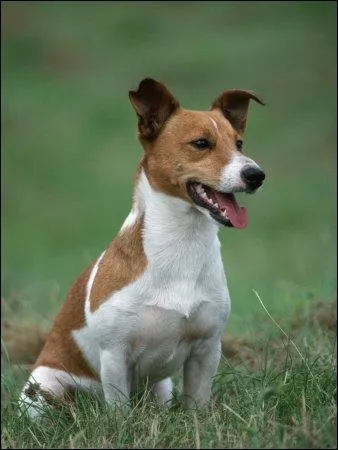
(21,344)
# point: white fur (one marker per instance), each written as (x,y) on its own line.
(215,124)
(173,315)
(231,180)
(54,382)
(90,284)
(163,391)
(131,218)
(141,330)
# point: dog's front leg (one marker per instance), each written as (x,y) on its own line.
(199,370)
(115,377)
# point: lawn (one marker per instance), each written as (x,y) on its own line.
(69,157)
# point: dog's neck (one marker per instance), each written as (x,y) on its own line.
(172,228)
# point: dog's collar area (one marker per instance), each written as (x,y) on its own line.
(223,207)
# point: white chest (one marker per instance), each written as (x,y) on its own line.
(175,304)
(179,300)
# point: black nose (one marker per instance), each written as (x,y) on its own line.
(253,177)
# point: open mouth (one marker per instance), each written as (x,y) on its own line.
(223,207)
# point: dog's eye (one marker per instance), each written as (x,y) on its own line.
(239,144)
(201,144)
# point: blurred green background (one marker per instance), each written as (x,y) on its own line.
(70,149)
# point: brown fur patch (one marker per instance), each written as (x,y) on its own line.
(171,160)
(234,105)
(33,390)
(153,104)
(60,350)
(123,262)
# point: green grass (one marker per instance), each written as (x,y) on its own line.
(68,161)
(288,401)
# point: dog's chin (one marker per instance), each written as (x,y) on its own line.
(220,206)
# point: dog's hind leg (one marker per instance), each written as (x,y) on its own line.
(49,388)
(163,391)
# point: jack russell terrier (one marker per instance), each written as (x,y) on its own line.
(157,299)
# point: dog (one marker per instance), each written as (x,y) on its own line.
(156,299)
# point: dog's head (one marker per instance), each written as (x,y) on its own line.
(197,155)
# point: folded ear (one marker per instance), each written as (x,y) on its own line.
(153,104)
(234,105)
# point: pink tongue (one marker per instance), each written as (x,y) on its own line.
(238,215)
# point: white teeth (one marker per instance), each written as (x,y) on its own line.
(201,192)
(199,189)
(224,213)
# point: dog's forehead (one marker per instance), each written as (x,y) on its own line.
(212,122)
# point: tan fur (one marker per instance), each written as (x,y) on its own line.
(170,160)
(169,170)
(60,350)
(123,262)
